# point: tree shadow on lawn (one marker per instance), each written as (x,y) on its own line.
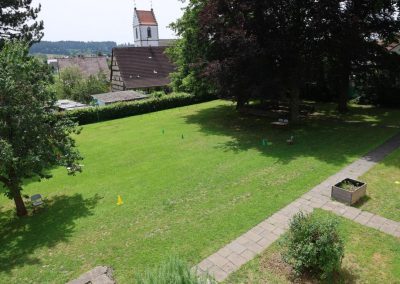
(329,141)
(47,227)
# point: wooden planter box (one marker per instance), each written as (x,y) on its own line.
(346,196)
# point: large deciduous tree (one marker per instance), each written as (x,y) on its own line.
(18,21)
(272,49)
(260,49)
(189,51)
(32,137)
(356,33)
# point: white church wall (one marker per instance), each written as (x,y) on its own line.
(144,40)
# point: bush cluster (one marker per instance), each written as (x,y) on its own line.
(73,85)
(121,110)
(313,245)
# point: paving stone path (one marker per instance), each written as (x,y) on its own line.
(231,257)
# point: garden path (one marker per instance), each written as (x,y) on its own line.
(243,249)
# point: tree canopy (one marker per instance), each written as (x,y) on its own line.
(188,52)
(18,21)
(32,137)
(273,49)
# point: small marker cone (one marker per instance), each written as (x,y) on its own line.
(120,202)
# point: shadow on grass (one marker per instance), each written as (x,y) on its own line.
(326,140)
(53,224)
(275,264)
(362,201)
(344,276)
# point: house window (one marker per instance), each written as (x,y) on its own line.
(137,36)
(148,32)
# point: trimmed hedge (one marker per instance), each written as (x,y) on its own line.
(121,110)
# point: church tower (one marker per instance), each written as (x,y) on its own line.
(145,28)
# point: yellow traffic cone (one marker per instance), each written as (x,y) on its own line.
(120,202)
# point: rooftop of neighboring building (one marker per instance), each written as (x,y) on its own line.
(88,65)
(69,105)
(143,67)
(123,96)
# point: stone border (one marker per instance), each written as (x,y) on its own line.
(98,275)
(232,256)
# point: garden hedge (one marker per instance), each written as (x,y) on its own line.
(121,110)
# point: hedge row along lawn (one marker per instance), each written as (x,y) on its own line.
(370,257)
(191,179)
(383,191)
(127,109)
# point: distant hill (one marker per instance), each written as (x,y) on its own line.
(72,47)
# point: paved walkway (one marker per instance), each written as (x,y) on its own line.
(231,257)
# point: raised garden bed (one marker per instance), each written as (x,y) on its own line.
(349,191)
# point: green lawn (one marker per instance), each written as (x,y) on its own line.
(370,257)
(384,188)
(185,197)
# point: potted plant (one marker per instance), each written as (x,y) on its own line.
(349,191)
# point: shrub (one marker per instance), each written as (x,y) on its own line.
(173,271)
(120,110)
(157,94)
(313,245)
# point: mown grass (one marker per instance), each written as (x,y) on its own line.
(383,192)
(370,257)
(183,195)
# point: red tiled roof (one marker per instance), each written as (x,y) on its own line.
(146,17)
(143,67)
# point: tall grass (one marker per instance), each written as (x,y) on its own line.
(173,271)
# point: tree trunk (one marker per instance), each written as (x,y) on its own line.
(19,203)
(344,95)
(295,105)
(344,85)
(240,103)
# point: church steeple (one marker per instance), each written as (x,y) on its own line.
(145,28)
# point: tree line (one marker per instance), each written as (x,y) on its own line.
(273,50)
(73,47)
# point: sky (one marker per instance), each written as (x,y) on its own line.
(102,20)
